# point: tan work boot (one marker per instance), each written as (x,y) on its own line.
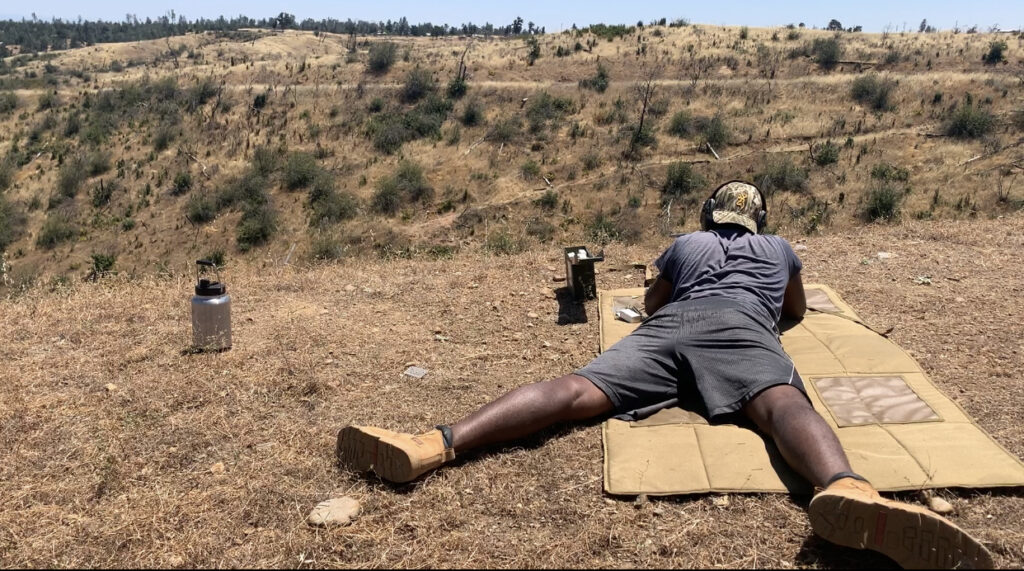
(394,456)
(851,513)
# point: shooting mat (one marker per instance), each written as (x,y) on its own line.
(898,429)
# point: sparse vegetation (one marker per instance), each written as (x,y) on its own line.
(8,102)
(714,131)
(599,81)
(883,202)
(12,223)
(873,92)
(405,186)
(889,172)
(825,154)
(419,83)
(382,57)
(781,174)
(681,124)
(969,122)
(826,52)
(300,169)
(681,180)
(182,183)
(57,228)
(996,52)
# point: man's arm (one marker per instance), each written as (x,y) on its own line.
(794,302)
(658,295)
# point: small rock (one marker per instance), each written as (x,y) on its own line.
(532,315)
(720,501)
(640,501)
(218,468)
(658,511)
(175,561)
(324,312)
(800,247)
(336,511)
(940,506)
(558,278)
(111,387)
(350,288)
(367,290)
(552,269)
(884,255)
(415,372)
(609,501)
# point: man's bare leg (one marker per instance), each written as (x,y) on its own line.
(803,437)
(849,511)
(528,409)
(401,457)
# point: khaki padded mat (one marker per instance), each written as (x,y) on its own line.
(897,428)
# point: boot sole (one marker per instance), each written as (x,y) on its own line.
(364,451)
(913,538)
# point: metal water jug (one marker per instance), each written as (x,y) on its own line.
(211,312)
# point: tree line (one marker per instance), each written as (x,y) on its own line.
(37,35)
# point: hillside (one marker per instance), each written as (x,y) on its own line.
(120,448)
(263,147)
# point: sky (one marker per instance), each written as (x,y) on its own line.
(555,15)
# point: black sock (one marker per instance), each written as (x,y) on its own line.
(842,475)
(446,434)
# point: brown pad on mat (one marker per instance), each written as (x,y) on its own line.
(899,430)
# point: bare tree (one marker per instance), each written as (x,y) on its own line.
(697,67)
(644,89)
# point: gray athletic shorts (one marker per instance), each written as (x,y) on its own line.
(717,348)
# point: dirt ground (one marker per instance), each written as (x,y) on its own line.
(119,448)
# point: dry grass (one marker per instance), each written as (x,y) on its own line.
(90,477)
(326,104)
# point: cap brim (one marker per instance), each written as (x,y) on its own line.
(727,217)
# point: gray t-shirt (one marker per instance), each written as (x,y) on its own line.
(731,263)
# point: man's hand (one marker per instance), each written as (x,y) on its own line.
(658,295)
(794,302)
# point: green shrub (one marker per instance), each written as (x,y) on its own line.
(457,88)
(533,50)
(217,256)
(681,124)
(874,92)
(590,160)
(327,205)
(6,174)
(544,108)
(97,162)
(883,203)
(406,185)
(826,153)
(200,209)
(382,57)
(506,130)
(8,102)
(1017,119)
(265,160)
(969,122)
(48,100)
(102,263)
(547,201)
(472,113)
(376,105)
(504,243)
(326,246)
(57,228)
(257,225)
(418,84)
(182,183)
(889,172)
(714,131)
(102,193)
(164,136)
(995,54)
(781,174)
(827,52)
(681,180)
(70,177)
(599,82)
(300,169)
(12,223)
(530,170)
(541,229)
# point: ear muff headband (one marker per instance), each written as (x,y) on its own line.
(708,209)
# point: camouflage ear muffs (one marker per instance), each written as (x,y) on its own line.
(735,202)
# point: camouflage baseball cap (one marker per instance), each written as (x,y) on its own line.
(737,203)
